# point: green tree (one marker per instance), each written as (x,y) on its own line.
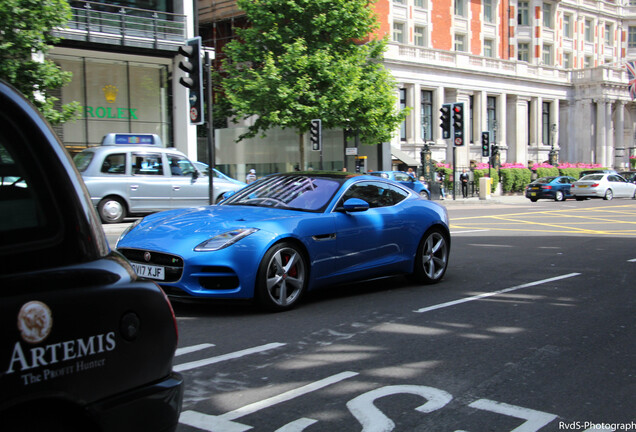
(25,38)
(304,59)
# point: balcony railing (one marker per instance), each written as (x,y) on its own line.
(124,26)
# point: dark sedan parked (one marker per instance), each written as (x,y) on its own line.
(85,344)
(554,188)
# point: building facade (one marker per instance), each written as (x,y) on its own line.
(123,56)
(538,75)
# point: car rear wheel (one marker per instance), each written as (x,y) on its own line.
(425,195)
(111,210)
(608,195)
(282,277)
(431,259)
(559,196)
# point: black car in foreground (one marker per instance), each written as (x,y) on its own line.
(85,344)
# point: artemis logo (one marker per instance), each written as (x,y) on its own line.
(51,354)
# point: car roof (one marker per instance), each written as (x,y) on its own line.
(132,148)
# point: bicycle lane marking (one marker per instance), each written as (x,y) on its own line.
(494,293)
(225,421)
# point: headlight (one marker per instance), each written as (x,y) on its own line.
(127,230)
(224,240)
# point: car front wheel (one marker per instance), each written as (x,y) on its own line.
(282,277)
(432,255)
(111,210)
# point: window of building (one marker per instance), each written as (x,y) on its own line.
(548,21)
(523,12)
(567,60)
(402,107)
(523,52)
(398,32)
(489,17)
(631,37)
(460,42)
(567,25)
(491,112)
(419,3)
(426,115)
(609,35)
(587,61)
(589,36)
(545,123)
(547,55)
(399,1)
(419,36)
(489,48)
(460,8)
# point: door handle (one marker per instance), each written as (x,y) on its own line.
(176,188)
(134,187)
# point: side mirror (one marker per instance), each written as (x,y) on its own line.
(195,174)
(353,205)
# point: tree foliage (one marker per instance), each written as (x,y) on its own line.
(25,38)
(303,59)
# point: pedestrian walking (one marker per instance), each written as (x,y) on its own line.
(411,172)
(463,178)
(440,179)
(251,177)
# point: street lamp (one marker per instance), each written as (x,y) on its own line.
(553,156)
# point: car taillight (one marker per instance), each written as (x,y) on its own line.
(174,317)
(594,185)
(546,187)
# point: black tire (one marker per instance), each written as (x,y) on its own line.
(580,198)
(282,277)
(559,196)
(533,199)
(111,210)
(608,195)
(431,259)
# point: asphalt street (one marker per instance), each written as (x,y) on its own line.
(531,329)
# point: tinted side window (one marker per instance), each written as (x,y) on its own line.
(26,214)
(377,194)
(114,164)
(147,164)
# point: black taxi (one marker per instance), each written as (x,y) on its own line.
(85,344)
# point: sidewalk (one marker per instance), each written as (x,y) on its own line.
(475,201)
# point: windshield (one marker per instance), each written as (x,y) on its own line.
(592,177)
(544,180)
(83,159)
(293,192)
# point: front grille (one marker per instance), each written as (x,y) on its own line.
(172,264)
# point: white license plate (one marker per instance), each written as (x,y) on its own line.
(149,271)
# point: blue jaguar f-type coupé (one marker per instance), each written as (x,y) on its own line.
(286,234)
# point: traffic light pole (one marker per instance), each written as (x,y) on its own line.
(210,125)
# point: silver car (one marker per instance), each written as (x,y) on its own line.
(141,179)
(606,186)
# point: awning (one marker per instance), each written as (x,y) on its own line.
(404,157)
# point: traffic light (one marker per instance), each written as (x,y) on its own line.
(485,144)
(315,134)
(194,80)
(458,123)
(446,121)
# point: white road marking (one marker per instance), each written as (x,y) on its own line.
(193,348)
(494,293)
(490,245)
(468,231)
(208,361)
(224,422)
(632,260)
(535,420)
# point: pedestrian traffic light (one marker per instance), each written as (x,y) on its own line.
(485,144)
(194,79)
(458,123)
(446,121)
(315,134)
